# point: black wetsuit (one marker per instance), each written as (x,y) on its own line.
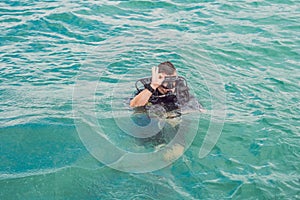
(169,102)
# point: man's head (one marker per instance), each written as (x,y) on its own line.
(167,68)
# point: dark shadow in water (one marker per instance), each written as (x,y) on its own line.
(167,132)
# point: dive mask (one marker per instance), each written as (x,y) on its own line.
(169,82)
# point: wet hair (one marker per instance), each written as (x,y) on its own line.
(166,67)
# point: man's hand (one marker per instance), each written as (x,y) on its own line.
(157,78)
(142,98)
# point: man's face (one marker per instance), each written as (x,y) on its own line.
(163,88)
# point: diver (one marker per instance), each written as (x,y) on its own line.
(168,92)
(164,88)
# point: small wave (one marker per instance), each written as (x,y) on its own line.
(6,176)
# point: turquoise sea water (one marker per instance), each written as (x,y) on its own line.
(248,50)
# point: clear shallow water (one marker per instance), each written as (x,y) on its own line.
(45,46)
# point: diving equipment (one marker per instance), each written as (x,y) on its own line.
(181,91)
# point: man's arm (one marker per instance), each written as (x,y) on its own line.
(142,98)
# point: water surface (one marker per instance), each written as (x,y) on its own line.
(46,46)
